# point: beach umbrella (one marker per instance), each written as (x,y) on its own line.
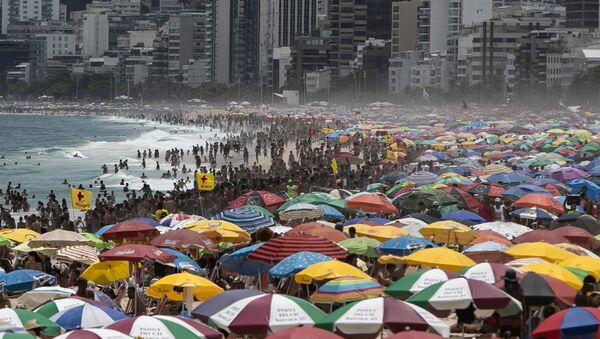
(486,238)
(325,232)
(459,293)
(339,193)
(347,289)
(491,190)
(588,264)
(38,296)
(584,221)
(454,180)
(130,229)
(258,198)
(280,230)
(566,174)
(404,245)
(540,250)
(18,318)
(572,322)
(102,230)
(577,250)
(59,238)
(136,253)
(248,219)
(540,235)
(107,272)
(578,236)
(347,158)
(5,241)
(17,335)
(400,188)
(183,262)
(428,219)
(440,257)
(277,249)
(368,318)
(414,201)
(19,235)
(367,220)
(93,333)
(316,198)
(82,253)
(533,213)
(164,327)
(148,221)
(486,246)
(540,200)
(411,225)
(464,216)
(330,212)
(487,272)
(360,246)
(262,314)
(541,290)
(177,219)
(97,242)
(495,169)
(182,239)
(449,232)
(301,211)
(558,272)
(592,189)
(509,230)
(24,280)
(379,233)
(392,177)
(371,202)
(86,316)
(417,281)
(327,270)
(519,191)
(242,265)
(508,178)
(225,230)
(211,306)
(296,263)
(176,286)
(302,332)
(422,178)
(56,306)
(414,335)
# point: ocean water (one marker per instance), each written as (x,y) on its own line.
(74,148)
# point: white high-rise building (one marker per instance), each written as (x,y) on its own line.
(29,10)
(95,34)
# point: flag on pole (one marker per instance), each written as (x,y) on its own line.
(81,199)
(425,95)
(205,181)
(334,167)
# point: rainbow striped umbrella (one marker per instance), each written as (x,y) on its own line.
(347,289)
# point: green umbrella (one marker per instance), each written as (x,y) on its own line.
(97,242)
(410,202)
(391,191)
(360,246)
(5,241)
(591,147)
(579,273)
(417,281)
(316,198)
(19,318)
(19,335)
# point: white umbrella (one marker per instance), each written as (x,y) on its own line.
(40,295)
(508,229)
(301,211)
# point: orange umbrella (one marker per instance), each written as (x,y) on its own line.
(485,238)
(328,233)
(371,202)
(540,200)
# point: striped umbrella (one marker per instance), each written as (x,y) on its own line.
(164,327)
(18,318)
(86,316)
(248,219)
(418,281)
(261,314)
(277,249)
(83,254)
(93,333)
(347,289)
(55,306)
(301,211)
(488,272)
(422,178)
(38,296)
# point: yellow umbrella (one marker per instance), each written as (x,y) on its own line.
(539,250)
(440,257)
(19,235)
(390,259)
(327,270)
(107,272)
(175,286)
(554,271)
(24,248)
(588,264)
(449,232)
(219,226)
(382,233)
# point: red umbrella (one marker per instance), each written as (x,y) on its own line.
(277,249)
(306,226)
(490,233)
(305,333)
(540,200)
(258,198)
(485,238)
(540,235)
(179,239)
(489,256)
(136,252)
(578,236)
(490,190)
(414,335)
(371,202)
(130,229)
(464,197)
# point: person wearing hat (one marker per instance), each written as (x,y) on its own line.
(512,286)
(498,210)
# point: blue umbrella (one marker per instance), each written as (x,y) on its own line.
(148,221)
(392,177)
(517,192)
(245,251)
(593,190)
(544,181)
(509,178)
(296,263)
(248,219)
(102,230)
(24,280)
(86,316)
(404,245)
(533,213)
(361,220)
(242,265)
(487,246)
(182,261)
(464,215)
(331,213)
